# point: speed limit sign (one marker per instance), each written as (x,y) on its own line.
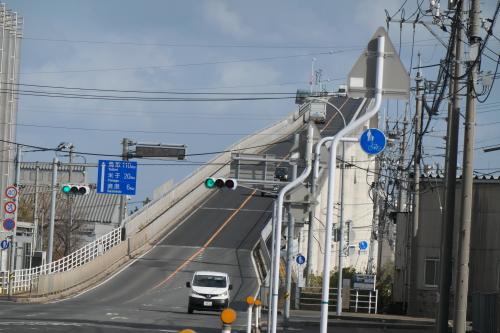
(10,207)
(11,192)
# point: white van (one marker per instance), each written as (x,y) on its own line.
(209,291)
(317,112)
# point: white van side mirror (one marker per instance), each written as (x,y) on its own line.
(188,284)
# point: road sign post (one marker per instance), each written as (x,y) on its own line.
(378,71)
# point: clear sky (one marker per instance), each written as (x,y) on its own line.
(203,46)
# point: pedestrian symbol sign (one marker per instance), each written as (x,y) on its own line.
(117,177)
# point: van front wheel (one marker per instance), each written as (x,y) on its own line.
(190,310)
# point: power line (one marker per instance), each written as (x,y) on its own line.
(219,62)
(193,45)
(153,131)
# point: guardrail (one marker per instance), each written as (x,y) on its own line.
(142,228)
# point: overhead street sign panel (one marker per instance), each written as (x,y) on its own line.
(117,177)
(361,78)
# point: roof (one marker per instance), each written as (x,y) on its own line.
(93,207)
(48,166)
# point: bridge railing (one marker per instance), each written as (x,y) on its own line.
(24,280)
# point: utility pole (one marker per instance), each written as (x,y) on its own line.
(123,198)
(402,191)
(341,232)
(448,218)
(462,284)
(416,187)
(291,234)
(55,164)
(369,265)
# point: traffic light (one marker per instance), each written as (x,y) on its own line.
(75,189)
(230,183)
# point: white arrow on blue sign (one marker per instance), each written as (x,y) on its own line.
(363,245)
(373,141)
(117,177)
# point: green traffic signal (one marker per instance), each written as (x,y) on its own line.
(66,188)
(210,183)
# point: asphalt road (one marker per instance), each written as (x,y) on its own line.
(150,293)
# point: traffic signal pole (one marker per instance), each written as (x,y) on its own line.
(289,253)
(55,163)
(123,198)
(70,204)
(279,220)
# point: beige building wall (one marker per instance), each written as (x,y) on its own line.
(358,208)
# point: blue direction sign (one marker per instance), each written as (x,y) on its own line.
(4,244)
(117,177)
(373,141)
(363,245)
(300,259)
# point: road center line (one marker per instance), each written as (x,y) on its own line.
(207,243)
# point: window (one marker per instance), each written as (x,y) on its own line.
(26,255)
(209,281)
(431,272)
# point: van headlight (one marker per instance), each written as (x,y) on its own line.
(224,294)
(195,295)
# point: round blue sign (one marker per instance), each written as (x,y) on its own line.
(373,141)
(9,224)
(4,244)
(300,259)
(363,245)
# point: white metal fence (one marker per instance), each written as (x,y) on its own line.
(23,279)
(364,301)
(359,300)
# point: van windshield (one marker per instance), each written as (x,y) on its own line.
(209,281)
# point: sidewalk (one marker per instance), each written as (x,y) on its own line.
(306,318)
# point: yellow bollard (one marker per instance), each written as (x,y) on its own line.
(228,316)
(187,330)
